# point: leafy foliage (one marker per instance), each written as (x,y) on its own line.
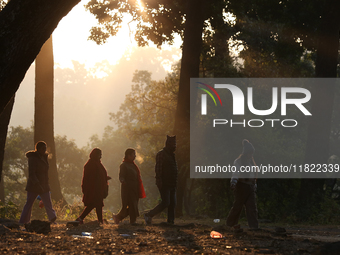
(279,37)
(15,167)
(157,21)
(148,110)
(9,211)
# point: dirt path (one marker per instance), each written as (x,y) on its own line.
(160,238)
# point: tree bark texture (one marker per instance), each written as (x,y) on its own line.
(222,60)
(192,44)
(43,112)
(25,25)
(319,129)
(5,117)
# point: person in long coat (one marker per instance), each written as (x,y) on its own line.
(94,186)
(131,188)
(38,183)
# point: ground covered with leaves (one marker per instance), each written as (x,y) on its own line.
(186,237)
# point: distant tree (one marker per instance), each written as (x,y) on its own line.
(19,141)
(44,112)
(70,164)
(149,109)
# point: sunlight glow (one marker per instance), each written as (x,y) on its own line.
(229,18)
(140,4)
(70,41)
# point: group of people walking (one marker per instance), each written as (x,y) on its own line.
(95,185)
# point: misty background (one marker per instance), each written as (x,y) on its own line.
(90,80)
(82,101)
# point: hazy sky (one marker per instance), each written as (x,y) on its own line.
(90,80)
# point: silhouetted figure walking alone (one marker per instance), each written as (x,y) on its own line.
(244,187)
(94,186)
(166,180)
(37,183)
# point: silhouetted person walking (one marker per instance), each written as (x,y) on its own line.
(131,188)
(94,186)
(166,180)
(37,183)
(244,187)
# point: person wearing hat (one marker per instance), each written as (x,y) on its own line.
(244,187)
(166,180)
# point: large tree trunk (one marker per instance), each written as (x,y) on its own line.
(221,61)
(5,117)
(25,25)
(317,149)
(43,112)
(189,68)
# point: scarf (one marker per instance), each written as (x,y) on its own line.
(141,190)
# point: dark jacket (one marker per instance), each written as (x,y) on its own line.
(166,168)
(128,175)
(94,183)
(37,173)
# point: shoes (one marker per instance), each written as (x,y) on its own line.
(147,219)
(80,221)
(237,229)
(238,226)
(115,218)
(53,220)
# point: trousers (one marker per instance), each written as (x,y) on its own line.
(89,208)
(27,210)
(244,196)
(168,196)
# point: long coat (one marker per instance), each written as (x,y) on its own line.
(94,183)
(128,175)
(37,181)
